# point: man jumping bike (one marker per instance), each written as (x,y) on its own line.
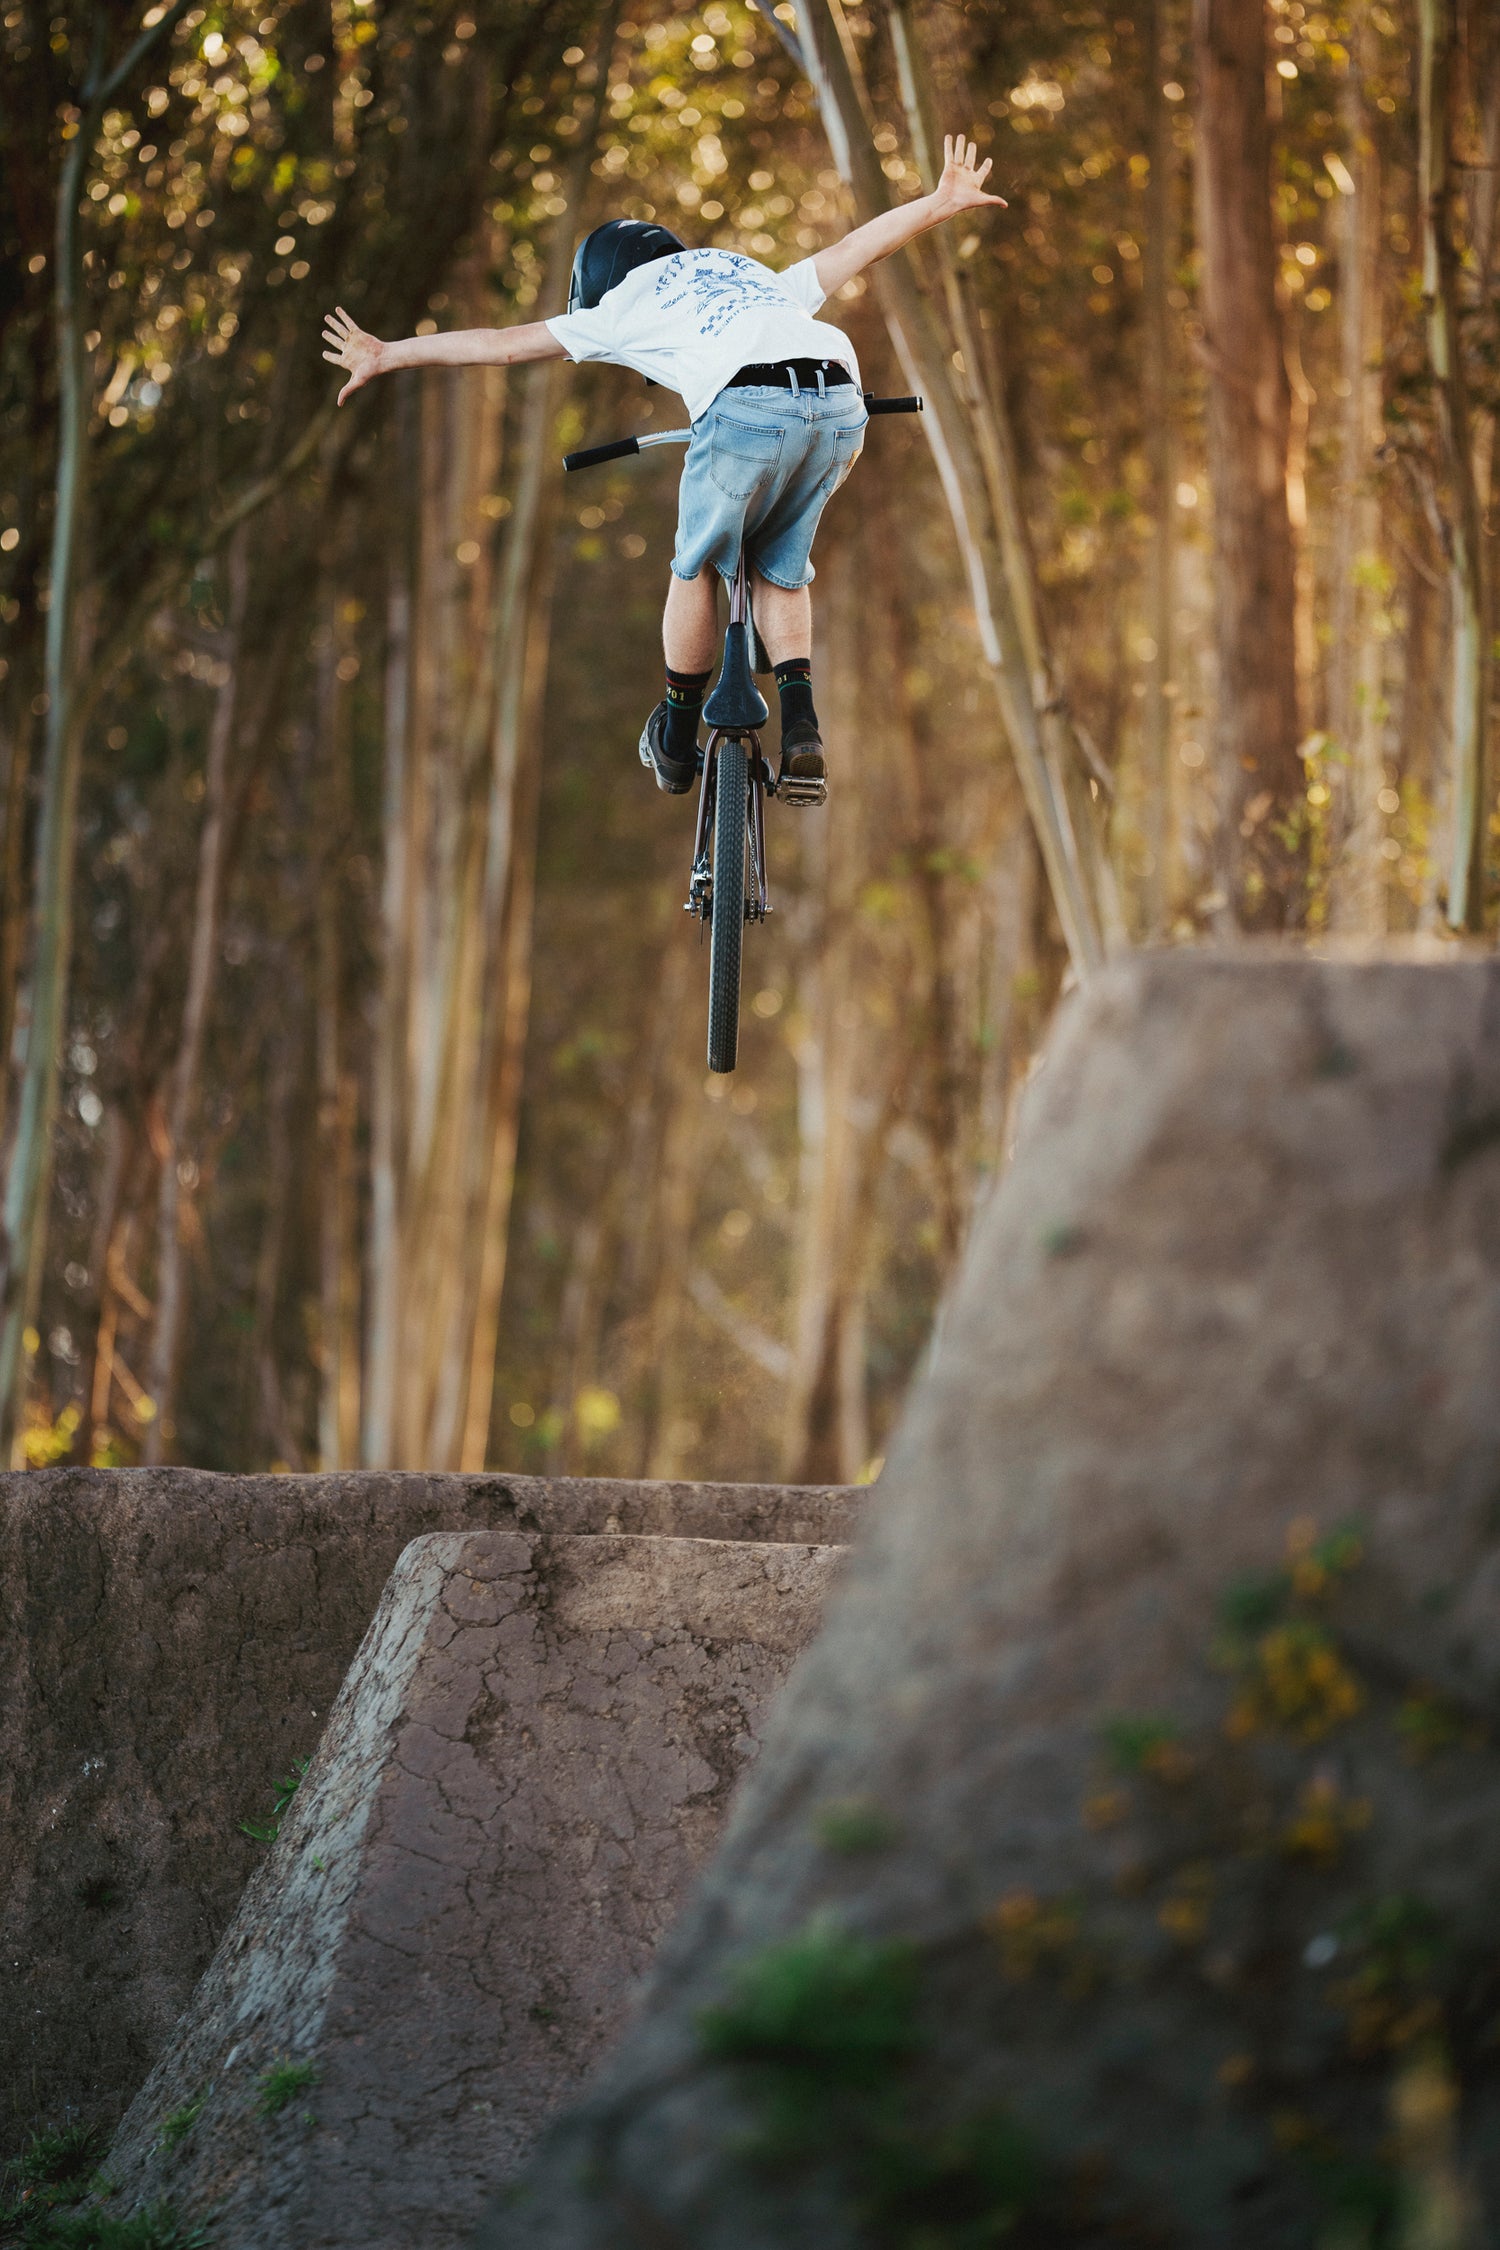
(773,395)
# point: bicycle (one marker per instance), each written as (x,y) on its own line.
(728,885)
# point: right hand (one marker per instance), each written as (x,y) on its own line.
(961,187)
(349,347)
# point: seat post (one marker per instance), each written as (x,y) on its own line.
(736,704)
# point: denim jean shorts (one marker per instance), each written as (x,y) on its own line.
(761,467)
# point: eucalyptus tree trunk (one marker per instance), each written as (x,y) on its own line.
(431,994)
(823,1426)
(467,642)
(178,1166)
(1158,402)
(983,500)
(1355,698)
(1074,772)
(1258,772)
(339,1370)
(16,727)
(23,1213)
(523,631)
(664,1448)
(1463,524)
(387,1109)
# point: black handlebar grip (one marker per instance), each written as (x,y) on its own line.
(595,453)
(892,405)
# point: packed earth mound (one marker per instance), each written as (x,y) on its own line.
(531,1757)
(172,1644)
(1121,1862)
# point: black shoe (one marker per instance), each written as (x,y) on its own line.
(675,775)
(803,779)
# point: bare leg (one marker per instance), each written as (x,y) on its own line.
(783,616)
(690,622)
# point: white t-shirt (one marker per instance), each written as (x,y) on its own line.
(692,320)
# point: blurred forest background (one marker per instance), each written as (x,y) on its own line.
(355,1108)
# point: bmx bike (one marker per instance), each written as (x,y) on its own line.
(728,884)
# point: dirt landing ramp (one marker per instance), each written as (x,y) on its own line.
(532,1755)
(171,1642)
(1169,1680)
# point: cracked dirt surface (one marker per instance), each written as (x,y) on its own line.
(532,1756)
(171,1644)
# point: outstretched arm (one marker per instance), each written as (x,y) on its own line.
(961,188)
(363,356)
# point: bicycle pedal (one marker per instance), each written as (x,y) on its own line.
(802,789)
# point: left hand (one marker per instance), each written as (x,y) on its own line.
(350,348)
(961,187)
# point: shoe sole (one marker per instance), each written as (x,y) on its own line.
(802,789)
(668,788)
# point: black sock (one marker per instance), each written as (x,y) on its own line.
(685,693)
(794,686)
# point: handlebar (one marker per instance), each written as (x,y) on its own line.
(620,448)
(592,454)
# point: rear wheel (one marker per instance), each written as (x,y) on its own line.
(727,934)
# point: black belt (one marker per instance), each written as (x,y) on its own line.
(790,374)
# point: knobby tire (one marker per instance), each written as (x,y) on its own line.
(727,933)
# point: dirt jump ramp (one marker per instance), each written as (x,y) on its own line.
(1166,1686)
(531,1757)
(171,1642)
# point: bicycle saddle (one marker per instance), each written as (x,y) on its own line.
(736,703)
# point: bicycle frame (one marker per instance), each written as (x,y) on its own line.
(700,887)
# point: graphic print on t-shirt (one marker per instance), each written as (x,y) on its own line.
(713,286)
(692,320)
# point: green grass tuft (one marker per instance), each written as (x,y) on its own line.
(823,2001)
(282,2083)
(54,2160)
(177,2127)
(851,1825)
(826,2025)
(158,2228)
(41,2189)
(960,2188)
(1254,1603)
(286,1789)
(1133,1743)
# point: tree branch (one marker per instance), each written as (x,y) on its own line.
(133,56)
(788,38)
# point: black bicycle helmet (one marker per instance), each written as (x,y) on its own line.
(612,251)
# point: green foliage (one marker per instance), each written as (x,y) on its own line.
(157,2228)
(52,2157)
(42,2187)
(963,2187)
(52,2170)
(1401,1936)
(286,1790)
(1428,1723)
(176,2128)
(1362,2200)
(1254,1602)
(824,2001)
(826,2024)
(282,2083)
(98,1894)
(852,1825)
(1135,1744)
